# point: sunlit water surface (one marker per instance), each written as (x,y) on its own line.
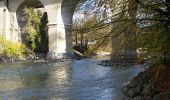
(71,80)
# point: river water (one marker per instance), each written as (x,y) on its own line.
(70,80)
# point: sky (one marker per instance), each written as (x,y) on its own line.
(88,9)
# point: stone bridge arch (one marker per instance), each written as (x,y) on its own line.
(41,47)
(60,13)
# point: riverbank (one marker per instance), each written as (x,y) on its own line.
(119,62)
(38,58)
(149,85)
(33,59)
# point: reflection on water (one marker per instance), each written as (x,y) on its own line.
(77,80)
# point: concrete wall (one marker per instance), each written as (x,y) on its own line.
(2,8)
(4,22)
(59,24)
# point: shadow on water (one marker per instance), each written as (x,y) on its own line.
(77,80)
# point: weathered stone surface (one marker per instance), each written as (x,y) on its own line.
(157,97)
(138,98)
(147,87)
(135,91)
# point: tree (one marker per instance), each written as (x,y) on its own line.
(137,24)
(86,35)
(32,27)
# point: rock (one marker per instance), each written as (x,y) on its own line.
(125,89)
(157,97)
(132,84)
(30,57)
(1,59)
(11,60)
(147,89)
(166,95)
(135,91)
(106,63)
(162,96)
(130,93)
(138,98)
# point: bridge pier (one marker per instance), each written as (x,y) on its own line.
(60,41)
(59,32)
(60,13)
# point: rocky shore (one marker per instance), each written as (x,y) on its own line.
(39,58)
(149,85)
(31,58)
(128,62)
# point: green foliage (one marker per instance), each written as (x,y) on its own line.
(155,39)
(32,27)
(142,24)
(87,34)
(155,34)
(136,24)
(11,49)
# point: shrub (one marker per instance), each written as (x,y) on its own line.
(11,49)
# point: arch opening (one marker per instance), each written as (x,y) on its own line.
(40,16)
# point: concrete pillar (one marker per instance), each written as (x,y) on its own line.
(16,33)
(2,13)
(56,31)
(67,16)
(4,22)
(69,45)
(60,28)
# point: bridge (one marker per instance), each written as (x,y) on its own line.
(59,12)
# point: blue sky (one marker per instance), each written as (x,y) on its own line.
(86,7)
(89,7)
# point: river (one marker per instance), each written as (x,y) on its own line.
(70,80)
